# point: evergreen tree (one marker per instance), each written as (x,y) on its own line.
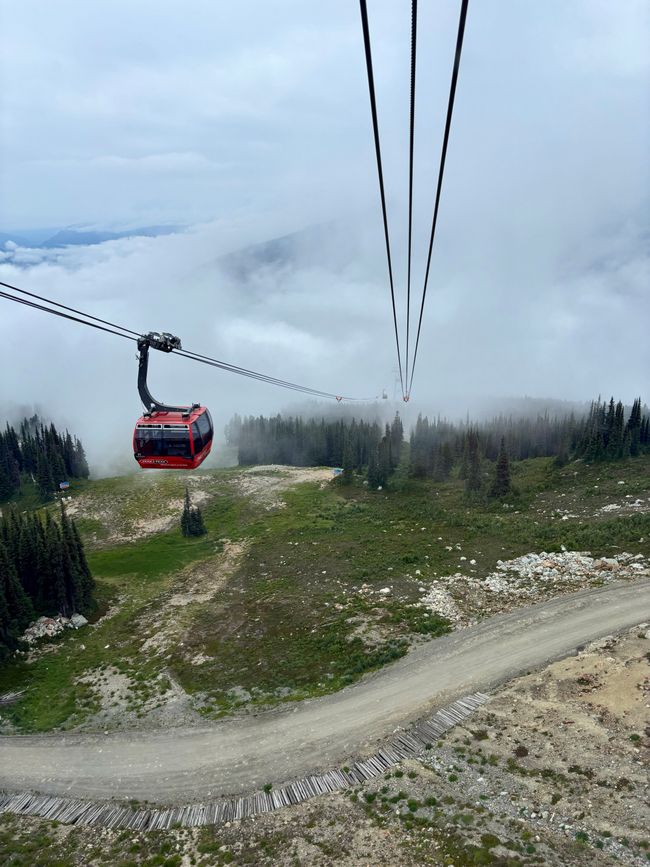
(348,462)
(373,469)
(473,482)
(57,586)
(7,636)
(437,445)
(19,610)
(396,439)
(502,483)
(186,517)
(634,428)
(44,478)
(86,579)
(442,462)
(384,462)
(196,521)
(447,459)
(191,520)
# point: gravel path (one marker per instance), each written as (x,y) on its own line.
(240,755)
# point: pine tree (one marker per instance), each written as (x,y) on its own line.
(186,517)
(473,482)
(72,565)
(396,439)
(384,462)
(348,462)
(634,428)
(57,585)
(26,561)
(44,479)
(447,457)
(19,608)
(502,484)
(41,597)
(192,523)
(7,638)
(86,579)
(373,468)
(442,462)
(197,524)
(80,463)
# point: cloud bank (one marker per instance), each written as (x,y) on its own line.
(249,123)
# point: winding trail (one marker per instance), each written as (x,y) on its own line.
(239,755)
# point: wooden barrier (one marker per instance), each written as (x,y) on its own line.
(406,744)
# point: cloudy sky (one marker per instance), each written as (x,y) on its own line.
(244,122)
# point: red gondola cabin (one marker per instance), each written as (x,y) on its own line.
(173,440)
(168,437)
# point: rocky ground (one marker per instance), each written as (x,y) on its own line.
(463,598)
(553,770)
(265,484)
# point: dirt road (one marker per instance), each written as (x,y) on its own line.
(241,755)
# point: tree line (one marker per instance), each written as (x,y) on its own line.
(316,442)
(43,570)
(438,447)
(606,434)
(38,453)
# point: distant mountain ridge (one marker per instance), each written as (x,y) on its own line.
(74,236)
(327,244)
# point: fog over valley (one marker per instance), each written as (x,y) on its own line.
(253,157)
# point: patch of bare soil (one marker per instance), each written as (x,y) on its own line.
(201,581)
(156,513)
(265,484)
(197,583)
(563,756)
(124,700)
(121,703)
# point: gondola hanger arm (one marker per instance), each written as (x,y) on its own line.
(165,342)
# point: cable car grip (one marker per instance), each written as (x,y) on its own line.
(164,342)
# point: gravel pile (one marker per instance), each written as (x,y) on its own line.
(48,627)
(530,578)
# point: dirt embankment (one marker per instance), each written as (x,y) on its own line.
(553,771)
(265,484)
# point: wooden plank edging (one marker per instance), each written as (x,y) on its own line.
(407,744)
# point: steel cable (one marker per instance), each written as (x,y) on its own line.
(414,29)
(65,307)
(441,170)
(380,173)
(204,359)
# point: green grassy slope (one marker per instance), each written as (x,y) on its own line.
(292,618)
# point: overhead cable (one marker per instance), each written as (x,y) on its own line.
(65,307)
(62,315)
(414,33)
(441,170)
(214,362)
(380,173)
